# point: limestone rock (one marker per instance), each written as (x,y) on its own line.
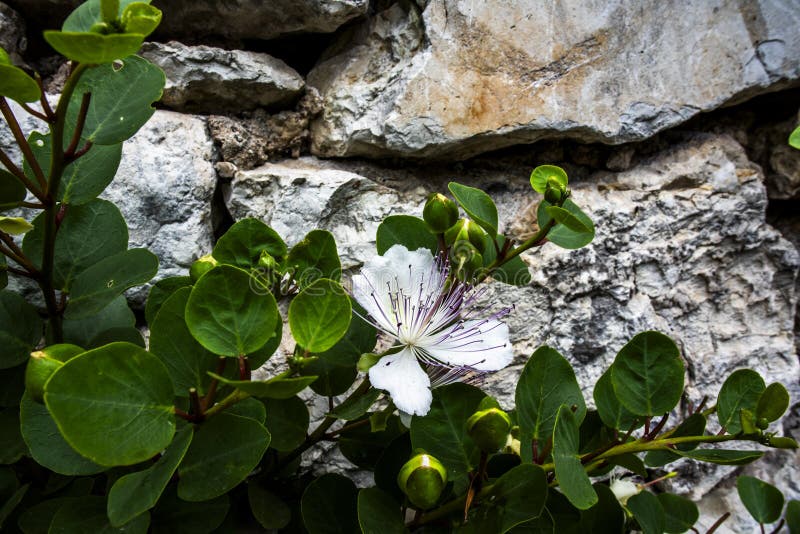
(459,78)
(12,34)
(209,79)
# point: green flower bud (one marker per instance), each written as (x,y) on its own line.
(422,479)
(43,363)
(465,260)
(489,429)
(556,192)
(466,230)
(201,266)
(366,361)
(762,423)
(266,261)
(781,442)
(102,28)
(440,213)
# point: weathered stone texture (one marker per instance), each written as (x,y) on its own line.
(12,34)
(459,78)
(209,79)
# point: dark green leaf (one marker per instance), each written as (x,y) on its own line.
(95,287)
(3,272)
(122,97)
(11,191)
(267,508)
(411,232)
(175,516)
(546,382)
(542,173)
(8,507)
(514,272)
(320,315)
(129,334)
(694,425)
(647,374)
(137,492)
(20,329)
(227,316)
(355,408)
(12,446)
(389,463)
(17,85)
(315,257)
(606,516)
(160,292)
(741,390)
(88,234)
(631,462)
(329,505)
(47,445)
(570,474)
(364,445)
(113,404)
(225,449)
(443,432)
(570,221)
(478,205)
(763,501)
(561,235)
(244,242)
(275,388)
(379,513)
(793,508)
(773,402)
(12,385)
(89,515)
(87,177)
(647,511)
(115,315)
(94,48)
(680,513)
(611,410)
(37,518)
(287,421)
(722,456)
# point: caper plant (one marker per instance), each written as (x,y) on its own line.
(102,432)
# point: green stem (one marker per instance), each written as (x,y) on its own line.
(535,240)
(227,402)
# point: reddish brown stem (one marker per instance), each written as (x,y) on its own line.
(22,142)
(69,153)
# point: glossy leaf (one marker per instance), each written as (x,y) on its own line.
(94,48)
(225,449)
(680,513)
(315,257)
(355,408)
(722,456)
(96,286)
(17,85)
(160,292)
(227,316)
(793,507)
(478,205)
(648,512)
(115,315)
(740,391)
(561,235)
(763,501)
(570,474)
(541,174)
(411,232)
(379,513)
(122,98)
(610,409)
(570,221)
(547,381)
(88,13)
(89,515)
(113,404)
(251,408)
(694,425)
(329,505)
(320,315)
(47,446)
(87,177)
(15,225)
(647,374)
(245,241)
(287,421)
(267,508)
(11,191)
(773,402)
(140,17)
(138,492)
(275,388)
(88,234)
(443,432)
(20,329)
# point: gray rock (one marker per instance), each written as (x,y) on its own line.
(460,78)
(12,34)
(208,79)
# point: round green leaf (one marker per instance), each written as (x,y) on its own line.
(115,315)
(88,176)
(647,374)
(478,205)
(561,235)
(611,411)
(98,285)
(173,515)
(773,402)
(160,292)
(82,18)
(287,421)
(46,444)
(122,98)
(245,241)
(607,516)
(329,505)
(570,474)
(763,501)
(17,85)
(379,513)
(793,507)
(89,515)
(411,232)
(140,17)
(570,221)
(268,509)
(542,173)
(88,234)
(228,315)
(740,391)
(15,225)
(20,329)
(225,449)
(94,48)
(648,512)
(113,404)
(680,513)
(364,445)
(12,192)
(320,315)
(315,257)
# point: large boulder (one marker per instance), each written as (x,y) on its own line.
(208,79)
(455,78)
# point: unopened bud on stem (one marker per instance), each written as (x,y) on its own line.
(440,213)
(422,479)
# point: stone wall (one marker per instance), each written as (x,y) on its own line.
(670,117)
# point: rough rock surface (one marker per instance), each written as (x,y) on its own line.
(12,33)
(682,247)
(259,137)
(209,79)
(458,78)
(231,19)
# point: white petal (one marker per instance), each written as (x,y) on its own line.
(483,345)
(401,375)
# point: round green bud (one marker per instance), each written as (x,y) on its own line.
(781,442)
(201,266)
(422,479)
(440,213)
(366,361)
(266,261)
(465,260)
(489,429)
(43,363)
(762,423)
(466,230)
(102,28)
